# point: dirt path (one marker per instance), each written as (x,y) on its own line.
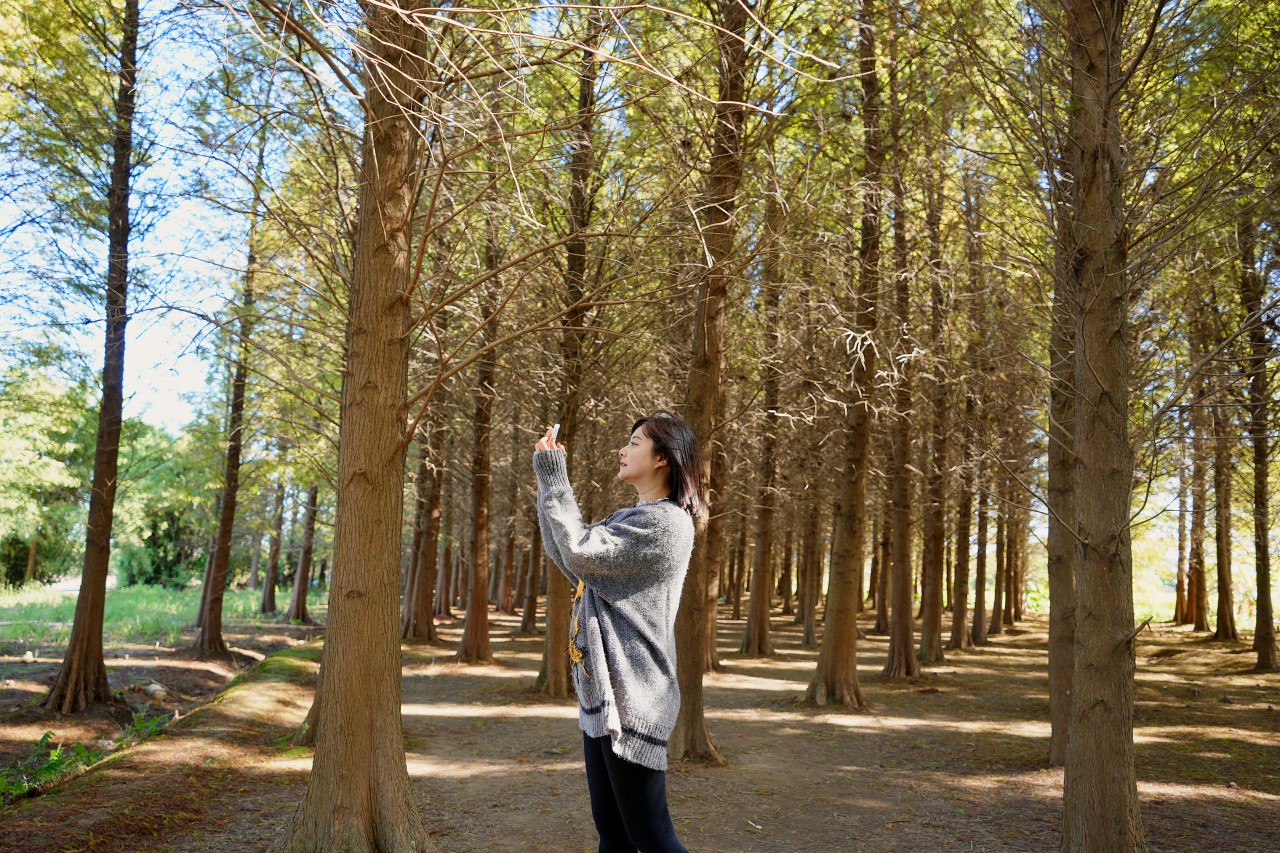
(948,762)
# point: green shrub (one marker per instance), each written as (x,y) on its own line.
(44,766)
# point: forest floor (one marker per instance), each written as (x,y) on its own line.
(952,760)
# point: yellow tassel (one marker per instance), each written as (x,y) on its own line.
(575,654)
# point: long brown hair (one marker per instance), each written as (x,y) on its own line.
(675,441)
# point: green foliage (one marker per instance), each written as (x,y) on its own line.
(44,766)
(144,727)
(164,502)
(46,442)
(165,555)
(61,60)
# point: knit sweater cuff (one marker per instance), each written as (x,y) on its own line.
(643,743)
(549,466)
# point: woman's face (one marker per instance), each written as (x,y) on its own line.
(637,463)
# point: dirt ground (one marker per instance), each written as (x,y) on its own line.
(950,761)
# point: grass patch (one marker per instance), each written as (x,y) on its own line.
(132,614)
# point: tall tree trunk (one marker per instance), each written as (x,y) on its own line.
(740,561)
(272,578)
(420,624)
(1100,793)
(802,575)
(996,627)
(297,611)
(1198,593)
(82,678)
(949,561)
(553,679)
(1222,471)
(786,581)
(884,589)
(835,679)
(901,662)
(960,636)
(30,573)
(717,537)
(358,795)
(507,580)
(812,568)
(873,584)
(1264,634)
(731,577)
(475,647)
(418,525)
(209,641)
(704,392)
(756,640)
(255,562)
(935,504)
(980,567)
(1010,551)
(444,574)
(1180,610)
(532,581)
(1061,497)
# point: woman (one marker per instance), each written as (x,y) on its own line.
(628,571)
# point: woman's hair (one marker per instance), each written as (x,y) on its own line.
(675,441)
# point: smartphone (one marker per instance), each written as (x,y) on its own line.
(555,431)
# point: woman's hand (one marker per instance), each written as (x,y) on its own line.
(548,441)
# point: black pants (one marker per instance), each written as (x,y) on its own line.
(628,803)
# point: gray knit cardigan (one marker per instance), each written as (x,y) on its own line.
(628,570)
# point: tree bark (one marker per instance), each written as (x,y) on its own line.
(812,567)
(1180,610)
(1222,470)
(358,795)
(255,562)
(1264,634)
(297,611)
(29,573)
(884,589)
(1197,593)
(420,607)
(960,636)
(509,570)
(716,538)
(980,568)
(1100,796)
(532,582)
(704,392)
(786,581)
(475,646)
(835,679)
(935,504)
(269,583)
(444,574)
(755,639)
(873,584)
(901,662)
(417,526)
(82,678)
(996,627)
